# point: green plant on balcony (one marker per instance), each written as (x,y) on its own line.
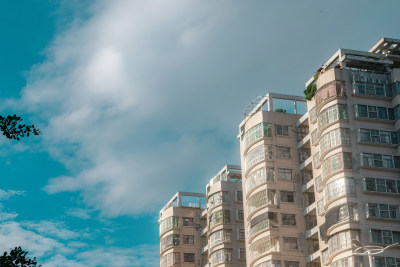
(311,89)
(280,110)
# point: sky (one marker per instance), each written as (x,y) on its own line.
(137,100)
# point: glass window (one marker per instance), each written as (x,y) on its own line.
(267,129)
(375,136)
(221,255)
(381,185)
(370,184)
(372,210)
(382,113)
(362,111)
(169,223)
(290,243)
(256,178)
(367,159)
(379,89)
(239,215)
(282,130)
(218,237)
(260,199)
(365,135)
(283,152)
(255,155)
(240,234)
(188,257)
(257,132)
(378,160)
(394,138)
(239,195)
(188,221)
(391,186)
(270,263)
(218,198)
(270,174)
(341,240)
(370,88)
(387,161)
(379,262)
(188,239)
(285,174)
(360,87)
(287,196)
(372,112)
(384,236)
(391,113)
(396,160)
(219,217)
(339,187)
(241,254)
(288,219)
(385,137)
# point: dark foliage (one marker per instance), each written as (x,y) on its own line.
(13,129)
(17,258)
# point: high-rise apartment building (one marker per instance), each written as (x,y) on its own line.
(180,225)
(273,203)
(320,177)
(205,229)
(225,233)
(348,164)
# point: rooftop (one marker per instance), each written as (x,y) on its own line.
(186,199)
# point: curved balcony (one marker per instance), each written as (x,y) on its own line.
(171,259)
(256,155)
(218,217)
(220,256)
(216,199)
(338,216)
(169,224)
(329,92)
(348,261)
(219,237)
(337,189)
(255,134)
(340,242)
(335,164)
(259,177)
(260,199)
(330,116)
(261,223)
(262,247)
(333,139)
(172,240)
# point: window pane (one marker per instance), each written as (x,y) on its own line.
(382,114)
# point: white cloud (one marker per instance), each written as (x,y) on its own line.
(9,193)
(53,229)
(60,250)
(5,216)
(12,234)
(79,213)
(127,111)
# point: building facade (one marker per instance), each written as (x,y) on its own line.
(225,232)
(321,177)
(273,204)
(205,229)
(180,225)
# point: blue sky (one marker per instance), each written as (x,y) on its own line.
(139,99)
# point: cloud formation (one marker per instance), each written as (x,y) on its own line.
(126,107)
(61,250)
(9,193)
